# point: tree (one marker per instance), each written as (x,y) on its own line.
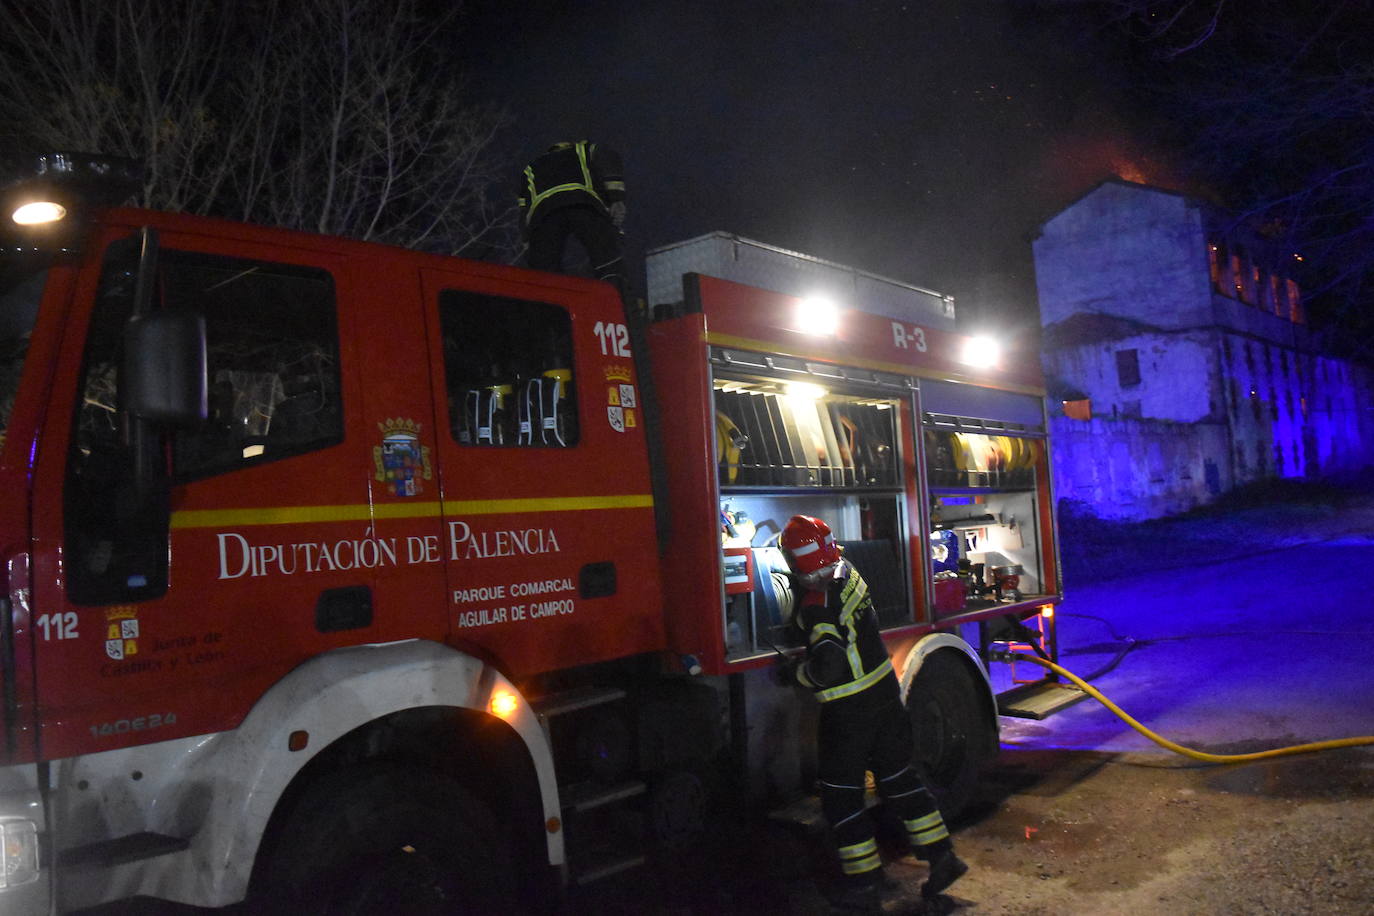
(336,116)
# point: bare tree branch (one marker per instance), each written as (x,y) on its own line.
(370,137)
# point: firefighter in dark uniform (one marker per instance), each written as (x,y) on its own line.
(863,725)
(575,189)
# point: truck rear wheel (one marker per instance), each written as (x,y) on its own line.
(952,733)
(389,838)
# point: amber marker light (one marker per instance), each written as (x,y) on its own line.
(504,704)
(1047,611)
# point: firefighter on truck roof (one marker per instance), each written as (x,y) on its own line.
(575,189)
(863,725)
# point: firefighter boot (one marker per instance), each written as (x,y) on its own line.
(945,869)
(863,895)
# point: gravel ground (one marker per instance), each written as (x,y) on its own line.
(1144,832)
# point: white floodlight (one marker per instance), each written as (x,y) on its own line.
(818,315)
(805,391)
(981,352)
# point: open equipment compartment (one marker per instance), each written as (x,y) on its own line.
(799,438)
(987,473)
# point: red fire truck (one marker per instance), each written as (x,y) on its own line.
(340,569)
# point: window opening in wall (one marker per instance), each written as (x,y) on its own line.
(1294,303)
(1128,368)
(508,370)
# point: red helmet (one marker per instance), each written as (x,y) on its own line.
(808,545)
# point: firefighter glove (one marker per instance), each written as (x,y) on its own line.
(785,671)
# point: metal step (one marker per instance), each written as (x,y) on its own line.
(587,796)
(564,702)
(601,869)
(1038,700)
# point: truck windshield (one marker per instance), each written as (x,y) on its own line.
(22,277)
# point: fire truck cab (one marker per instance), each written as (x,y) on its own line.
(328,564)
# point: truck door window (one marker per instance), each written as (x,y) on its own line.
(274,391)
(508,371)
(272,353)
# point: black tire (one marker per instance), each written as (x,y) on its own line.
(386,838)
(953,734)
(678,810)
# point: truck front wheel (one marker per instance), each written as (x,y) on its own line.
(388,838)
(951,729)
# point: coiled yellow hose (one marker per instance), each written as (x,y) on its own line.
(1187,751)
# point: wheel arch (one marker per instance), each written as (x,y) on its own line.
(413,701)
(954,647)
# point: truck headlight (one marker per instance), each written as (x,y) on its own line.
(38,212)
(19,841)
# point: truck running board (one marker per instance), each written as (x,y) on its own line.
(1038,700)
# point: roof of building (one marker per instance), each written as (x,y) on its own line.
(1092,327)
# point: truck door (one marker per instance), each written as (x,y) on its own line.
(548,512)
(171,609)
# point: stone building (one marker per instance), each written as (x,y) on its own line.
(1179,358)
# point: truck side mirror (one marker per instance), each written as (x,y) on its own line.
(165,368)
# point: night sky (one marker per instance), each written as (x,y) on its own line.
(920,140)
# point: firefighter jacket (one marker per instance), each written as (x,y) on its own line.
(845,655)
(571,174)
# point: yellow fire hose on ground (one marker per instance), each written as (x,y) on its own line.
(1187,751)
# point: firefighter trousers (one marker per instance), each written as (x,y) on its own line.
(591,227)
(856,735)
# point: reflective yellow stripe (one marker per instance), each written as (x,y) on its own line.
(856,662)
(924,823)
(858,850)
(822,630)
(853,594)
(299,515)
(853,687)
(537,197)
(861,866)
(860,858)
(933,835)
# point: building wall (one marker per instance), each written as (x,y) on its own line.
(1178,377)
(1204,376)
(1137,469)
(1126,251)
